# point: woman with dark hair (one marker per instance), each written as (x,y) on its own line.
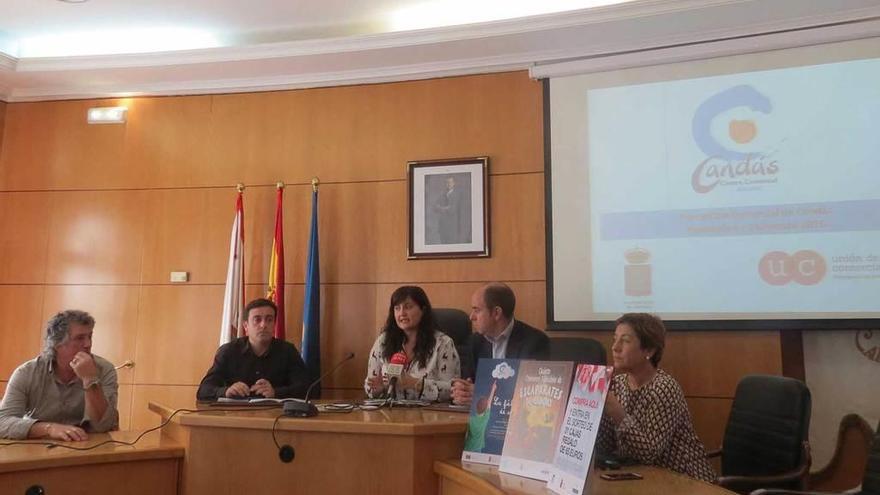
(411,337)
(646,418)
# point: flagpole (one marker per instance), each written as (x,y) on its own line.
(311,338)
(276,266)
(233,297)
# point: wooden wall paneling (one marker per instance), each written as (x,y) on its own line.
(23,247)
(115,309)
(792,350)
(50,145)
(174,396)
(711,364)
(96,237)
(710,419)
(350,322)
(189,230)
(3,387)
(168,143)
(366,223)
(178,330)
(123,405)
(268,137)
(455,117)
(357,133)
(22,338)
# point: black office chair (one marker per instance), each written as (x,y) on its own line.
(870,481)
(456,324)
(578,350)
(766,440)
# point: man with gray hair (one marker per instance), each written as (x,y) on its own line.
(66,391)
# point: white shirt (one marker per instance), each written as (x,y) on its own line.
(499,343)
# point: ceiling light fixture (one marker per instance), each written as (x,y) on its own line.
(73,1)
(107,115)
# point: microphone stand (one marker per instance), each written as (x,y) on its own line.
(303,408)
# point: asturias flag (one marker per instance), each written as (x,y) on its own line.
(311,339)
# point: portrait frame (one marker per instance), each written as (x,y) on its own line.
(448,208)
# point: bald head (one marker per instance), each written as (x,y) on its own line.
(492,308)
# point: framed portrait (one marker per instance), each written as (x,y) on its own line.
(449,208)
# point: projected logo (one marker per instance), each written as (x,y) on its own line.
(805,267)
(729,159)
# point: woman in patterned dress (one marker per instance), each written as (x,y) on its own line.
(431,359)
(646,418)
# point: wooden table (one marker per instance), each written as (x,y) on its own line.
(149,467)
(457,478)
(382,452)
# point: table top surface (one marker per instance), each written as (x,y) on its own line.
(36,454)
(655,480)
(384,421)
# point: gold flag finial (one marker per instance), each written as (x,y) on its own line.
(239,187)
(279,185)
(315,183)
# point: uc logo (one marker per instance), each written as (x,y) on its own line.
(805,267)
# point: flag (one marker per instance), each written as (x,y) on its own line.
(233,297)
(311,337)
(276,268)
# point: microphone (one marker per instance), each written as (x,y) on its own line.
(300,408)
(394,369)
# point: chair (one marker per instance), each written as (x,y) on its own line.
(456,324)
(766,440)
(578,350)
(870,480)
(847,466)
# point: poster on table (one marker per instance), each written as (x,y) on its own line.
(490,410)
(574,448)
(535,418)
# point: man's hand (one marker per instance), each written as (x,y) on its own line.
(83,364)
(264,388)
(65,433)
(238,389)
(462,391)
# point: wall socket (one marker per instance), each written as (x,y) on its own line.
(179,277)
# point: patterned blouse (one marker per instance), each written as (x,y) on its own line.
(443,365)
(656,429)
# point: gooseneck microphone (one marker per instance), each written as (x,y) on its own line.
(303,408)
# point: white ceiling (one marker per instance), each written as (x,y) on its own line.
(278,44)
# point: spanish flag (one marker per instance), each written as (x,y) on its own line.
(276,267)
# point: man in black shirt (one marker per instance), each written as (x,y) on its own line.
(258,364)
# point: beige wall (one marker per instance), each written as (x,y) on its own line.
(96,217)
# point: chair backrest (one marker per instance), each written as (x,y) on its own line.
(578,350)
(456,324)
(769,421)
(871,481)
